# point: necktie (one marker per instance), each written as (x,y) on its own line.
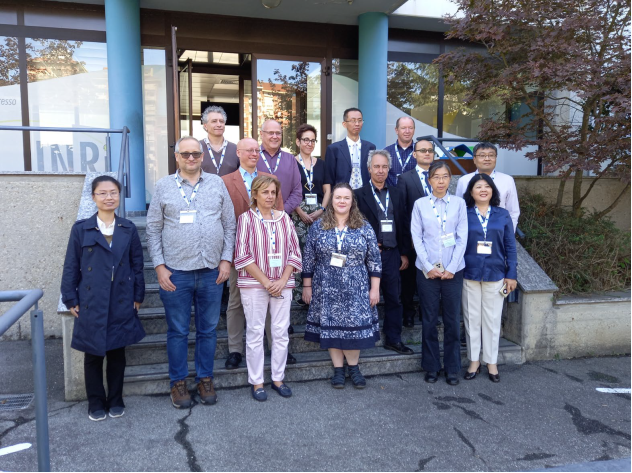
(356,177)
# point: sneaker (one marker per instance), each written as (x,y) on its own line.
(180,397)
(207,391)
(117,411)
(233,360)
(97,415)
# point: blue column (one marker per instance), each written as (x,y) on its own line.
(122,27)
(372,61)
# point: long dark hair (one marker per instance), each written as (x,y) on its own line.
(467,195)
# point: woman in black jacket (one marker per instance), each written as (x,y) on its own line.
(103,286)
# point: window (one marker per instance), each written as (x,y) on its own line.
(12,157)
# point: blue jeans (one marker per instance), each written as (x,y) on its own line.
(199,287)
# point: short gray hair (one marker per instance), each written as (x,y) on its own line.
(381,152)
(184,138)
(213,109)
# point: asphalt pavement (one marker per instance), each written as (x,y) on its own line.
(542,415)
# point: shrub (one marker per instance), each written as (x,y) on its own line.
(580,254)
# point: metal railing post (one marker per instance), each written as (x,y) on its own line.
(39,381)
(108,154)
(445,152)
(121,174)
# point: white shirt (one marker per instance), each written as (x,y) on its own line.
(508,193)
(107,230)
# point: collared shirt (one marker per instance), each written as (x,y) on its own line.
(248,178)
(355,151)
(288,174)
(396,168)
(426,232)
(387,239)
(191,246)
(106,229)
(506,187)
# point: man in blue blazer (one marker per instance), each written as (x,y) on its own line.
(346,160)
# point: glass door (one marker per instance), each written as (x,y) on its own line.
(289,90)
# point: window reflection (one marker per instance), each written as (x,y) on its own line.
(12,156)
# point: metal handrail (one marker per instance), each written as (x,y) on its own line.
(437,142)
(26,300)
(124,166)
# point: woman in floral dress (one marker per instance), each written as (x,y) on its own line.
(341,281)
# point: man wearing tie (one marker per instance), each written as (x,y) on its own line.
(402,150)
(383,208)
(346,160)
(413,185)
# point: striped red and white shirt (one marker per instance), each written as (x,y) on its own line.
(252,245)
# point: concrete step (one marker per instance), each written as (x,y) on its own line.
(313,365)
(153,348)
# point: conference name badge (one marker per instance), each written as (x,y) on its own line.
(338,260)
(448,240)
(386,225)
(187,216)
(274,259)
(311,199)
(484,247)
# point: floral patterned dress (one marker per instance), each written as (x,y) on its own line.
(340,315)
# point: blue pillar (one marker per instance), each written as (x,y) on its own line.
(122,27)
(372,62)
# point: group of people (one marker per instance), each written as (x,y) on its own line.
(279,228)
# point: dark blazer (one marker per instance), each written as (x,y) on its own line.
(368,206)
(410,189)
(338,162)
(503,261)
(104,282)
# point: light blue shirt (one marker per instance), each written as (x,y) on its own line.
(426,232)
(248,178)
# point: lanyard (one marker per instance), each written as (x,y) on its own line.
(484,220)
(445,214)
(271,231)
(308,176)
(268,166)
(400,159)
(248,184)
(379,202)
(340,236)
(210,151)
(193,194)
(424,184)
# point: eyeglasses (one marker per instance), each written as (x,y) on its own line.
(103,195)
(355,121)
(424,150)
(250,151)
(307,141)
(272,133)
(483,156)
(195,155)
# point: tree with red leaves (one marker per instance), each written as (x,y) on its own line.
(563,69)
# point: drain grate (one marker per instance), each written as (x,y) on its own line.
(15,402)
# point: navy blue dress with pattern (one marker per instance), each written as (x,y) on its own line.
(340,314)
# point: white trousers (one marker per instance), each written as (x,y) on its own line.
(482,306)
(256,302)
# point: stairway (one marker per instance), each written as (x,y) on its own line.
(147,368)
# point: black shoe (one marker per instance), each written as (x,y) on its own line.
(338,379)
(431,377)
(233,361)
(471,375)
(290,359)
(409,323)
(494,378)
(290,330)
(399,347)
(356,377)
(452,379)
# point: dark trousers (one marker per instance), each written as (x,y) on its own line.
(409,287)
(448,292)
(115,372)
(390,286)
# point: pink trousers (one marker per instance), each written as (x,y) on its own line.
(256,302)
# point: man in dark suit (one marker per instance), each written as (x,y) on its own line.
(413,185)
(345,160)
(384,210)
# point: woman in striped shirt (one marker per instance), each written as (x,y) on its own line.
(267,252)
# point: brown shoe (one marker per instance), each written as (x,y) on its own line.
(207,391)
(180,397)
